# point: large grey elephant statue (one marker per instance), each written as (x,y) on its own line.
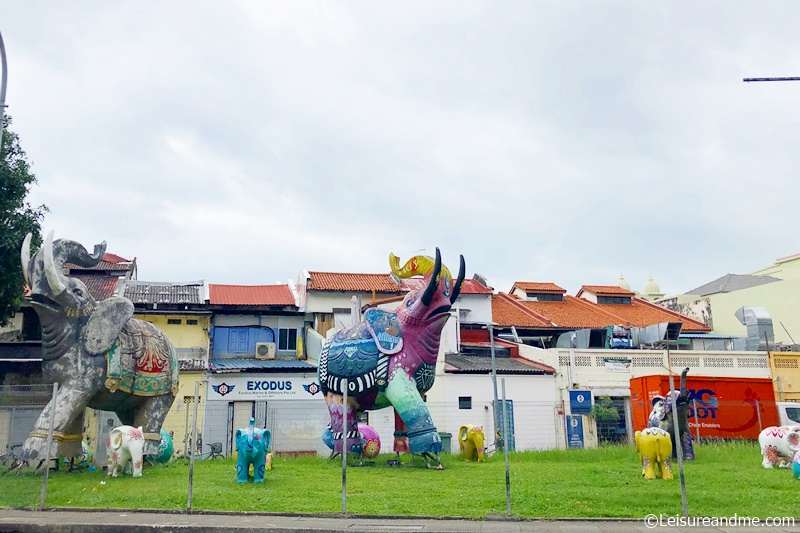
(661,417)
(389,359)
(100,355)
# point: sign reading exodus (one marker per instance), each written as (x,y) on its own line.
(254,387)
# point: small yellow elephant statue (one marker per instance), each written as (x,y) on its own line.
(470,441)
(655,449)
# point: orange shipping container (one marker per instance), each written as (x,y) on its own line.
(725,407)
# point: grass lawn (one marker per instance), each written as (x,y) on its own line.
(603,482)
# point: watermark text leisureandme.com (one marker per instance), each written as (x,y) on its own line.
(661,520)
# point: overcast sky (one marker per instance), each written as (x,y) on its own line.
(569,142)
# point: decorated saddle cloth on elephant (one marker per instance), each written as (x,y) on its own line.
(140,362)
(361,354)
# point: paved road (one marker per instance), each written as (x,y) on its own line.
(22,521)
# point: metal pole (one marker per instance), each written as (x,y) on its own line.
(696,423)
(186,436)
(572,369)
(192,442)
(490,327)
(505,450)
(758,412)
(54,403)
(678,444)
(3,85)
(747,80)
(344,448)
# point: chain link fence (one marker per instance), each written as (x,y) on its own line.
(296,426)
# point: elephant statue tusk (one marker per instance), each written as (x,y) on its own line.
(53,276)
(25,257)
(457,287)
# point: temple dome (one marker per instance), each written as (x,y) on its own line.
(623,284)
(651,287)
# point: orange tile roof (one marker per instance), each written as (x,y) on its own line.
(250,295)
(344,281)
(577,313)
(508,311)
(534,286)
(641,313)
(606,289)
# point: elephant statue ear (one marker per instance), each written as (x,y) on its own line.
(238,434)
(385,330)
(115,437)
(106,323)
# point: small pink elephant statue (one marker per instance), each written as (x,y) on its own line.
(125,444)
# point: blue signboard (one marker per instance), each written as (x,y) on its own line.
(580,402)
(574,431)
(502,424)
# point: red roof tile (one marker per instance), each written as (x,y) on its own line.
(533,286)
(343,281)
(606,289)
(250,295)
(508,311)
(640,313)
(100,286)
(469,286)
(577,313)
(114,258)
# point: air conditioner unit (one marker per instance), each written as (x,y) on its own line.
(265,350)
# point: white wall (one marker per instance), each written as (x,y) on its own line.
(479,305)
(533,397)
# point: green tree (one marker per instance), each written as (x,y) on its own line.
(17,219)
(606,416)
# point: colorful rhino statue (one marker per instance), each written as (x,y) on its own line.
(389,359)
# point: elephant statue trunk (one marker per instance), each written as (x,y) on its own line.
(100,355)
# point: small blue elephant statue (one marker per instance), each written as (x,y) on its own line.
(252,445)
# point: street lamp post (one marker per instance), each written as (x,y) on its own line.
(490,327)
(3,84)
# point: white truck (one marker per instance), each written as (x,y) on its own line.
(788,413)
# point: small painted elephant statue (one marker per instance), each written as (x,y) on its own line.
(252,445)
(471,443)
(655,449)
(125,444)
(778,446)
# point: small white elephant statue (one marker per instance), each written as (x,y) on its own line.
(125,444)
(778,446)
